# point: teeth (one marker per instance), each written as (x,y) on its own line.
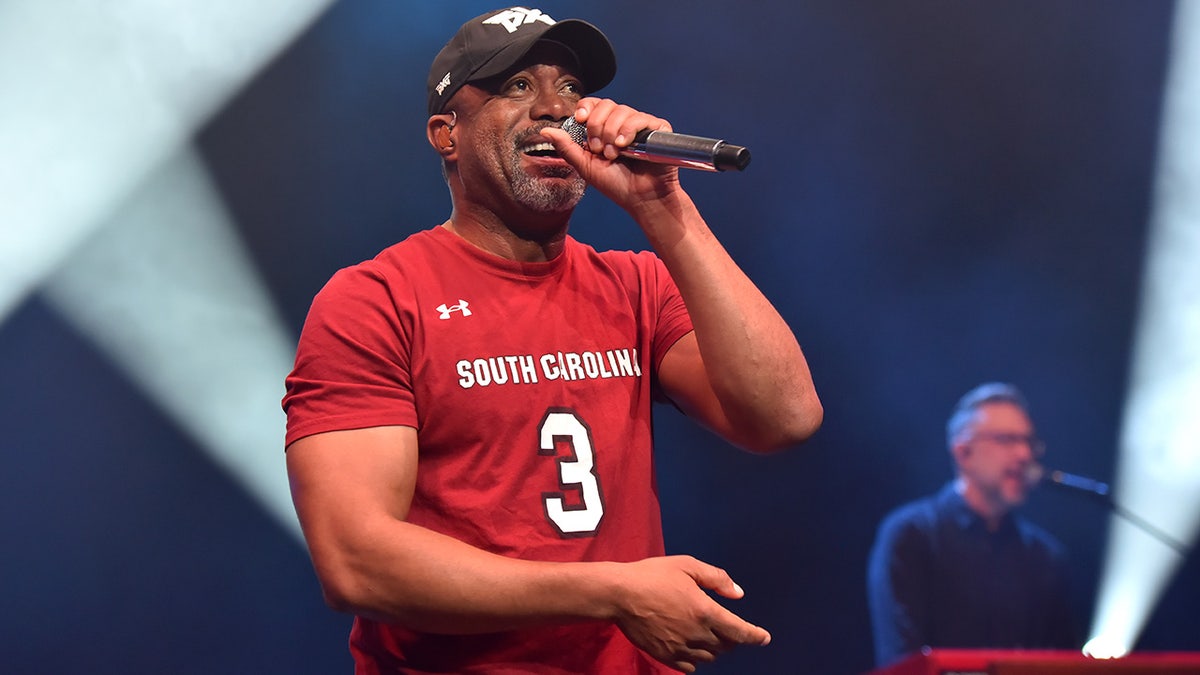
(539,147)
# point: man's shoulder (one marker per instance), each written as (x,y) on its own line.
(630,265)
(376,280)
(613,255)
(917,515)
(418,245)
(419,248)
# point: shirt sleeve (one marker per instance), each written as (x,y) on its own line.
(352,362)
(673,320)
(897,589)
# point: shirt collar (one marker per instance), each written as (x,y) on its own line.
(953,504)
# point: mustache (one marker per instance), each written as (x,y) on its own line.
(536,130)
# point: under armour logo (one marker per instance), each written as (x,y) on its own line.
(515,17)
(445,309)
(441,86)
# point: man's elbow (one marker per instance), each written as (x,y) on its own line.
(807,418)
(345,583)
(788,428)
(337,601)
(340,592)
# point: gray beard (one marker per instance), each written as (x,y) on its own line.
(539,196)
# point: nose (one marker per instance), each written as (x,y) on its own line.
(549,104)
(1024,451)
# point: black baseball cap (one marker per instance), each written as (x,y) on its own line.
(491,43)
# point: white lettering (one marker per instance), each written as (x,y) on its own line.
(482,376)
(465,379)
(514,18)
(549,369)
(499,374)
(623,366)
(589,365)
(527,369)
(604,371)
(574,369)
(567,366)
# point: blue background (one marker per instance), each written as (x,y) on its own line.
(942,193)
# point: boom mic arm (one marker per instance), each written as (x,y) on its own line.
(1099,490)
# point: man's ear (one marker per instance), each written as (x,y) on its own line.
(440,132)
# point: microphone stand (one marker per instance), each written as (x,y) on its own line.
(1149,529)
(1101,493)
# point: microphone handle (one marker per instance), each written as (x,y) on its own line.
(665,147)
(692,152)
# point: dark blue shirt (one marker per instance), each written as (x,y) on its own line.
(938,577)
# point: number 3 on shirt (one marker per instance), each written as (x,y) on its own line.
(576,471)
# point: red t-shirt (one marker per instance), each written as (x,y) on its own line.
(530,386)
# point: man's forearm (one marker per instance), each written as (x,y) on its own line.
(433,583)
(754,363)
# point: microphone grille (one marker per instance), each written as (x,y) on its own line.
(1034,473)
(577,131)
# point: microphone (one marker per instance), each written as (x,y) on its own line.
(1080,483)
(1036,473)
(665,147)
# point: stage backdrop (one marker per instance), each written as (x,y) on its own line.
(941,193)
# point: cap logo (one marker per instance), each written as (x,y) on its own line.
(441,86)
(515,17)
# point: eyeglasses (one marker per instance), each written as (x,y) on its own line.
(1037,447)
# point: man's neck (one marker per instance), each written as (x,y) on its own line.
(537,239)
(991,512)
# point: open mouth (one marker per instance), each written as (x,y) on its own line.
(1019,477)
(541,149)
